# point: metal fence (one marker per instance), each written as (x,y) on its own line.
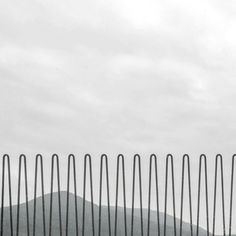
(112,212)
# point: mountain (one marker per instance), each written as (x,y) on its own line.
(88,222)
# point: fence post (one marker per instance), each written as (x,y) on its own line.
(140,194)
(120,156)
(202,157)
(153,157)
(186,158)
(169,156)
(55,157)
(87,156)
(5,159)
(104,157)
(39,159)
(231,195)
(71,156)
(218,156)
(26,195)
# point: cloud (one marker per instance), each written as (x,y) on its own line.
(150,64)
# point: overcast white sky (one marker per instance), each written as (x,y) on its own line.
(117,76)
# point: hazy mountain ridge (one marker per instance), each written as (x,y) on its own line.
(88,221)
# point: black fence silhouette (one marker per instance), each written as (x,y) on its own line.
(185,175)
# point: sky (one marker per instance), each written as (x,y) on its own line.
(118,77)
(121,76)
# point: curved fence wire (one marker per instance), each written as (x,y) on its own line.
(106,215)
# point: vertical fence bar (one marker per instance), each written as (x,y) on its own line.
(153,157)
(39,159)
(26,195)
(231,195)
(169,156)
(120,156)
(55,158)
(87,156)
(140,194)
(219,157)
(202,157)
(5,159)
(71,156)
(104,158)
(186,159)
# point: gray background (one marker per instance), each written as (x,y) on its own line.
(118,77)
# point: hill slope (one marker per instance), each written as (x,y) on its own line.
(88,222)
